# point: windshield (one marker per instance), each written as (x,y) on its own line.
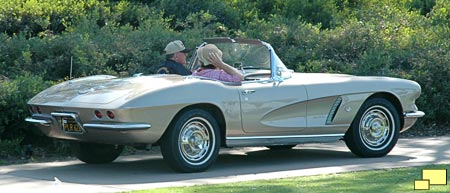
(243,56)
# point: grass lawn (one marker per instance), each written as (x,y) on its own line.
(376,181)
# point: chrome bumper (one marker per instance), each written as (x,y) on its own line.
(38,121)
(415,114)
(118,126)
(106,126)
(98,132)
(410,118)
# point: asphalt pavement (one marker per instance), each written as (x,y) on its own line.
(147,170)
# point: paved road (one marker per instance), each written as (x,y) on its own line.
(149,171)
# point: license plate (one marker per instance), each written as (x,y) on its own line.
(70,125)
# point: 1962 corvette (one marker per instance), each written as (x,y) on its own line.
(191,117)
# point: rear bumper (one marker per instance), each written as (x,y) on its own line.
(98,132)
(118,126)
(43,122)
(106,126)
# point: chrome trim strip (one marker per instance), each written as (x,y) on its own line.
(118,126)
(281,140)
(38,121)
(58,114)
(285,136)
(415,114)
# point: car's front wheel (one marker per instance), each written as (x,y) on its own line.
(192,141)
(94,153)
(375,129)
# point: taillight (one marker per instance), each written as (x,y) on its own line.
(110,114)
(98,114)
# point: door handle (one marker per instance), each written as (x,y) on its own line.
(246,92)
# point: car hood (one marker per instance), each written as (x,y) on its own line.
(102,89)
(322,84)
(342,79)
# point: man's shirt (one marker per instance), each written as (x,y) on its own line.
(172,67)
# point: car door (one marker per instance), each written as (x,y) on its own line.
(273,107)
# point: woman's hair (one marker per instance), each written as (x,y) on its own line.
(203,55)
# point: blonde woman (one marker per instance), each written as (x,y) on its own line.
(213,67)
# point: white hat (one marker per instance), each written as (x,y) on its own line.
(203,53)
(176,46)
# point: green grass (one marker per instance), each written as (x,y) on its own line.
(376,181)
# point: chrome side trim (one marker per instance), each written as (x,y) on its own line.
(415,114)
(38,121)
(118,126)
(286,136)
(281,140)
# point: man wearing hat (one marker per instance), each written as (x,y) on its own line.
(175,63)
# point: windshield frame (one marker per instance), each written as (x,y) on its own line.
(278,71)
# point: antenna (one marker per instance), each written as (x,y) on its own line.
(71,65)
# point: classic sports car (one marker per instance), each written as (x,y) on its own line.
(191,117)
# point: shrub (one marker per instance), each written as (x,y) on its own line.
(10,148)
(323,12)
(14,94)
(425,6)
(179,10)
(39,17)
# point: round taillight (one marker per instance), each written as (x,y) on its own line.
(98,114)
(110,114)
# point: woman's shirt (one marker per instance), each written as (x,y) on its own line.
(217,74)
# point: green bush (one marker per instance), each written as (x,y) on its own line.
(179,10)
(424,6)
(44,16)
(10,148)
(91,49)
(14,94)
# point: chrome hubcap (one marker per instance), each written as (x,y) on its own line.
(196,141)
(376,127)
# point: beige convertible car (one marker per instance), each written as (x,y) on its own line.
(191,117)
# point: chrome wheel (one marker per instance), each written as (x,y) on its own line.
(195,141)
(192,142)
(375,127)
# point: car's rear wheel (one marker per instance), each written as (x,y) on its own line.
(94,153)
(192,141)
(375,129)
